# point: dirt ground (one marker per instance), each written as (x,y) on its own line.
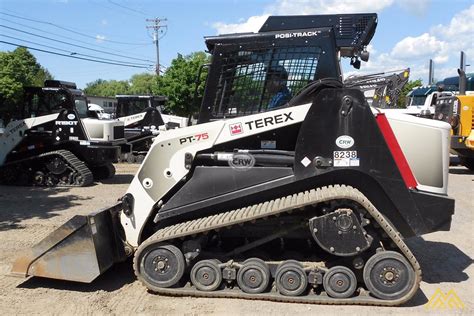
(29,214)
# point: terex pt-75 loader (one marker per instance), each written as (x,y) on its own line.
(143,118)
(309,201)
(51,140)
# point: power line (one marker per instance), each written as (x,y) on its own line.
(69,30)
(75,57)
(62,36)
(63,42)
(127,8)
(71,52)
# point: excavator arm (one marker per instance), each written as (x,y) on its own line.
(383,89)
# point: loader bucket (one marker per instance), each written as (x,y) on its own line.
(80,250)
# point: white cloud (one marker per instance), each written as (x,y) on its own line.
(104,22)
(418,7)
(442,43)
(459,33)
(304,7)
(301,7)
(425,45)
(252,24)
(99,38)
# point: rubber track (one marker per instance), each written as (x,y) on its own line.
(271,208)
(70,159)
(74,163)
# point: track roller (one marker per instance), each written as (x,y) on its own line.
(290,278)
(254,276)
(388,275)
(206,275)
(340,282)
(161,265)
(39,178)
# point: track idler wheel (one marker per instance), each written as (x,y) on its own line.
(290,278)
(206,275)
(78,179)
(254,276)
(388,275)
(39,178)
(51,180)
(57,166)
(161,265)
(340,282)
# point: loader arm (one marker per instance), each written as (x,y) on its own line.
(15,132)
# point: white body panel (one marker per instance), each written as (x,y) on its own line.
(425,144)
(182,121)
(15,130)
(132,119)
(100,130)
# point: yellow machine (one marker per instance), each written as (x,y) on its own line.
(459,112)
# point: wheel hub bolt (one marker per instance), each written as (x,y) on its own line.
(389,276)
(161,265)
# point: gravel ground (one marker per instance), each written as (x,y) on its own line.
(29,214)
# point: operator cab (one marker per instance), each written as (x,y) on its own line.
(134,104)
(54,97)
(300,49)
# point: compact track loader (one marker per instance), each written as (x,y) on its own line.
(143,118)
(52,141)
(308,202)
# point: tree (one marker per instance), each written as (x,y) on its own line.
(179,82)
(406,89)
(107,88)
(143,84)
(18,69)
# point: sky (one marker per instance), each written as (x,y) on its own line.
(408,34)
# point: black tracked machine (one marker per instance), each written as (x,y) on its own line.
(292,188)
(143,118)
(52,140)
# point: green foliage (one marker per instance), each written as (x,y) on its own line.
(107,88)
(143,84)
(179,82)
(406,89)
(18,69)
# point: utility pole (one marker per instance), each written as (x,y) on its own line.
(156,26)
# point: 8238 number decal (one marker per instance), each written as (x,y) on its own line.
(346,158)
(345,154)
